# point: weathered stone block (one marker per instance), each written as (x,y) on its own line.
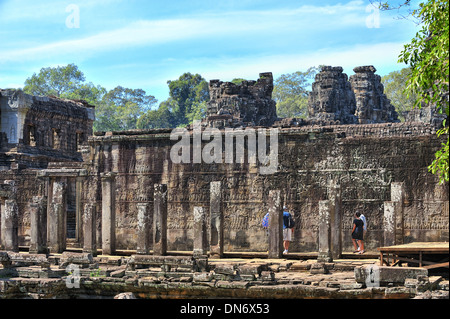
(249,269)
(376,276)
(225,269)
(319,268)
(20,259)
(82,259)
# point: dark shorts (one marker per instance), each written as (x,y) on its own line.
(357,235)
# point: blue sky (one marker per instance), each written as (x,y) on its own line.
(142,44)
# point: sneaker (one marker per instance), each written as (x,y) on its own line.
(285,252)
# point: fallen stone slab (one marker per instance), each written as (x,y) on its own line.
(377,276)
(81,259)
(167,263)
(225,269)
(251,269)
(319,268)
(125,295)
(20,259)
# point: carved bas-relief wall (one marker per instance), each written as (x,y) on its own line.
(309,162)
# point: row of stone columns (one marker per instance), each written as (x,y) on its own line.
(159,221)
(48,230)
(330,225)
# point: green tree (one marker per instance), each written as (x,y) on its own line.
(188,93)
(395,89)
(59,81)
(88,92)
(121,108)
(428,56)
(160,118)
(291,93)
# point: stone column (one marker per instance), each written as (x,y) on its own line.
(90,229)
(393,216)
(275,224)
(200,236)
(389,223)
(57,217)
(143,229)
(10,225)
(108,213)
(216,217)
(325,254)
(160,220)
(38,221)
(334,196)
(78,206)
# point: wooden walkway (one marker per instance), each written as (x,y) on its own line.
(428,255)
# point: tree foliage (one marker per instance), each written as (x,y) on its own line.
(188,94)
(428,57)
(395,89)
(124,107)
(58,81)
(291,93)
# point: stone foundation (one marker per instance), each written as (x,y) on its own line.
(177,277)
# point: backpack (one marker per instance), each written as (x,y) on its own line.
(265,221)
(291,222)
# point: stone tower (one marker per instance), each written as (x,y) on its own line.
(246,104)
(332,98)
(372,105)
(335,99)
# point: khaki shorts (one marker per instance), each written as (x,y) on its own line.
(287,234)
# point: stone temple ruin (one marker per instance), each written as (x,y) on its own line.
(360,99)
(249,103)
(64,188)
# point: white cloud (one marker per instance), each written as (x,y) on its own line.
(26,10)
(238,23)
(380,55)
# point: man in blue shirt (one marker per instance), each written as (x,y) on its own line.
(287,232)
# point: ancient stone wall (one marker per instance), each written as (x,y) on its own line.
(309,162)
